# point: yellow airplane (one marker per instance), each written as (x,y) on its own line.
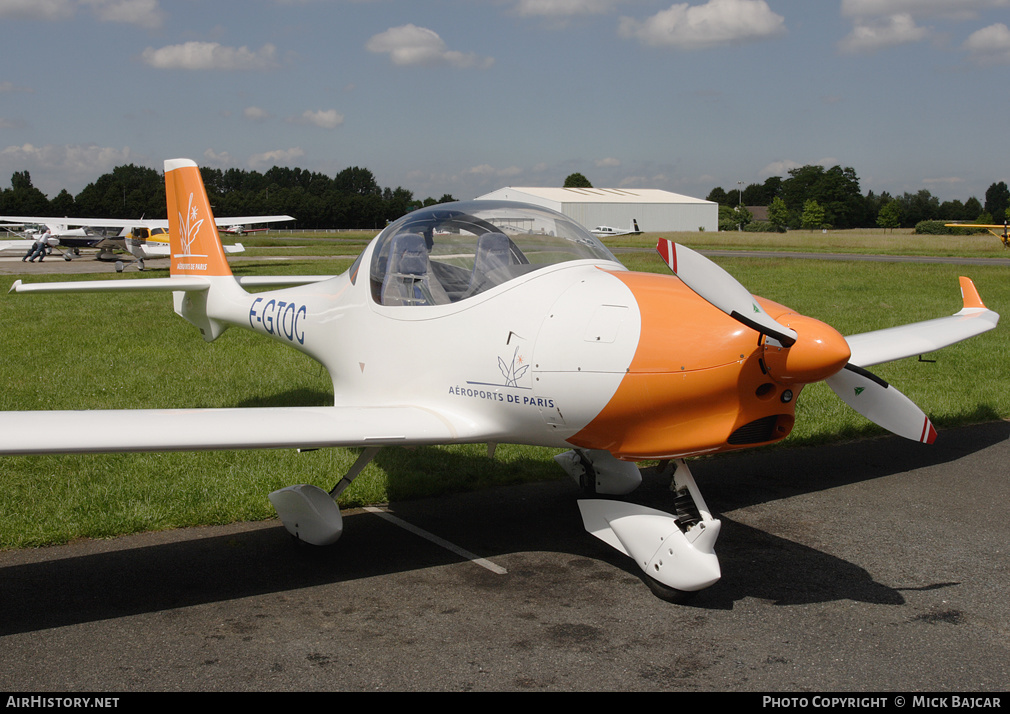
(991,227)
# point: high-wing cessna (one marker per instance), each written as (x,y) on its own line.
(991,227)
(142,238)
(500,322)
(605,231)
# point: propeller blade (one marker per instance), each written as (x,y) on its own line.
(722,290)
(882,404)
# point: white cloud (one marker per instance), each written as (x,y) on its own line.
(276,157)
(564,8)
(878,24)
(255,114)
(876,34)
(784,166)
(609,162)
(37,9)
(11,87)
(990,45)
(958,9)
(488,171)
(324,118)
(142,13)
(944,181)
(222,158)
(210,55)
(716,23)
(57,166)
(410,45)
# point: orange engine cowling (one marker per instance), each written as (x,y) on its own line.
(697,383)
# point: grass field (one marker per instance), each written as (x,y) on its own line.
(98,352)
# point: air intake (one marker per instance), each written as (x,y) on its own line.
(756,432)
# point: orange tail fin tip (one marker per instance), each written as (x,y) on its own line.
(196,245)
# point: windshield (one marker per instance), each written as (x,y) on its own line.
(452,251)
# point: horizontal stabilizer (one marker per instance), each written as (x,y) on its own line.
(125,285)
(184,284)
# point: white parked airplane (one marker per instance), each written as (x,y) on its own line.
(456,326)
(605,231)
(142,238)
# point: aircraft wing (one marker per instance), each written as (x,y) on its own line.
(244,220)
(887,345)
(233,428)
(148,222)
(84,222)
(975,225)
(9,244)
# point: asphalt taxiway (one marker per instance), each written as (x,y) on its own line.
(875,566)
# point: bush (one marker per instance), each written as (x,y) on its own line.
(761,227)
(937,228)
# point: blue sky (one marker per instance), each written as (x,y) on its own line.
(466,96)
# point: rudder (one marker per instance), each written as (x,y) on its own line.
(195,244)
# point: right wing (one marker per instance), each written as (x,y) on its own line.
(870,348)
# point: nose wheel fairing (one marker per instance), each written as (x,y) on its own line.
(677,552)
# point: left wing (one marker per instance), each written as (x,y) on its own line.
(870,348)
(235,428)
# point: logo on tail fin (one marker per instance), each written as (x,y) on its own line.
(190,227)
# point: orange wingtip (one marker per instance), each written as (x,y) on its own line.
(969,294)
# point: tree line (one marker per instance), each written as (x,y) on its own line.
(814,197)
(809,197)
(350,199)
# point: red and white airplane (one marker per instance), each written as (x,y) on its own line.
(503,322)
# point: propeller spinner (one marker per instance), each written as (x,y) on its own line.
(804,351)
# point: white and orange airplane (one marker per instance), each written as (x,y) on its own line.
(500,322)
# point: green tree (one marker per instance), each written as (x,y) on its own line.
(718,195)
(23,198)
(890,216)
(356,180)
(577,180)
(741,216)
(836,191)
(997,199)
(917,207)
(778,214)
(813,215)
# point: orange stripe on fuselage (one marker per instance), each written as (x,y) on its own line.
(695,378)
(195,245)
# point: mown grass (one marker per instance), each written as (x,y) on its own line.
(99,352)
(898,242)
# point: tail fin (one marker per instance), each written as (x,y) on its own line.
(196,245)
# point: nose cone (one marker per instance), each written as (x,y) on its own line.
(820,351)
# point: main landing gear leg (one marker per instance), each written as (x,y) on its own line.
(311,514)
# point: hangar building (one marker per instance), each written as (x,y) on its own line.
(654,210)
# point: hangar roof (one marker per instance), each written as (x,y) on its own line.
(596,195)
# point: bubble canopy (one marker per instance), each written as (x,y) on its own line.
(449,252)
